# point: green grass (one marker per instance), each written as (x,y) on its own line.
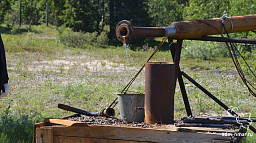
(43,72)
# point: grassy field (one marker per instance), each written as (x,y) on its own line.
(43,72)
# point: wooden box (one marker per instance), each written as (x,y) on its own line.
(65,131)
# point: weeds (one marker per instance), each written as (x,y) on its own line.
(204,50)
(15,129)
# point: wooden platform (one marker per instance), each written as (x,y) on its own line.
(65,131)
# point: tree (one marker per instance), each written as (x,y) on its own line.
(5,7)
(204,9)
(33,11)
(242,7)
(163,12)
(80,15)
(134,11)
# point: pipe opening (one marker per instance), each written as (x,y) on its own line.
(123,31)
(109,112)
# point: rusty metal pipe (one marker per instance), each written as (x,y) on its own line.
(125,31)
(159,92)
(107,112)
(187,29)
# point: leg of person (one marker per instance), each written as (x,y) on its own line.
(3,71)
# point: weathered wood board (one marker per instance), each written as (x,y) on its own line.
(77,132)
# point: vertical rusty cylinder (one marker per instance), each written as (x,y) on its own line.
(159,92)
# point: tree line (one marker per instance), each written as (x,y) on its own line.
(95,15)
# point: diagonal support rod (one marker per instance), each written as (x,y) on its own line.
(216,100)
(176,59)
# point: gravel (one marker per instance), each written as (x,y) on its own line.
(112,122)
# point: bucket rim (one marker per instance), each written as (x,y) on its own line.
(129,94)
(161,63)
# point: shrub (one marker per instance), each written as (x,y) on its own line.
(12,18)
(77,39)
(90,38)
(15,129)
(204,50)
(72,39)
(102,39)
(14,30)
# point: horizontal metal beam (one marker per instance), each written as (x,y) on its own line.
(187,29)
(224,39)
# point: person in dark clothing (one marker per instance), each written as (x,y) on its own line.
(3,71)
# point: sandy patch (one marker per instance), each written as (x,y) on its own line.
(63,65)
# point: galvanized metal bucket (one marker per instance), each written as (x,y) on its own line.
(131,107)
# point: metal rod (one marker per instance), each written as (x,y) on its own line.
(215,99)
(181,83)
(176,59)
(76,110)
(178,75)
(47,13)
(20,13)
(214,121)
(224,39)
(253,119)
(202,125)
(217,119)
(209,94)
(125,31)
(105,112)
(184,95)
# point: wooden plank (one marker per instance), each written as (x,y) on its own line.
(136,134)
(64,139)
(65,122)
(34,130)
(44,135)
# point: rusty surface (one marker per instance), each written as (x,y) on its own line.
(125,31)
(148,31)
(197,28)
(188,29)
(159,92)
